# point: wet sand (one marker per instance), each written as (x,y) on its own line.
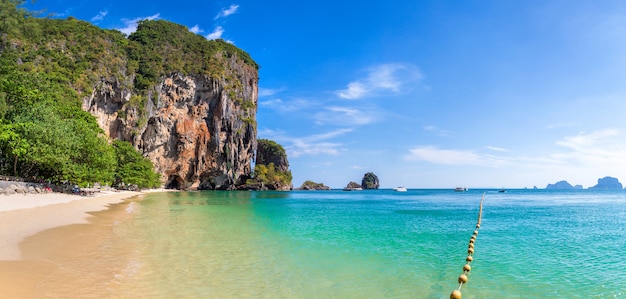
(63,246)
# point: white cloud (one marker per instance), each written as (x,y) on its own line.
(317,144)
(227,11)
(131,25)
(586,141)
(496,149)
(436,130)
(217,33)
(443,156)
(604,148)
(285,106)
(381,79)
(100,16)
(355,90)
(196,29)
(455,157)
(559,125)
(309,145)
(344,116)
(266,92)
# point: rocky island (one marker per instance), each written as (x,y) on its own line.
(310,185)
(607,183)
(370,181)
(563,185)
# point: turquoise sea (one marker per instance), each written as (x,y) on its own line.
(375,244)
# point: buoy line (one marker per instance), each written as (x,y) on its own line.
(456,294)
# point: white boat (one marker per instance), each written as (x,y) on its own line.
(460,189)
(400,189)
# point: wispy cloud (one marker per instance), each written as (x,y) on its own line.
(196,29)
(266,92)
(443,156)
(310,145)
(604,148)
(496,149)
(217,33)
(436,130)
(586,141)
(454,157)
(285,106)
(100,16)
(382,79)
(130,26)
(227,11)
(344,116)
(559,125)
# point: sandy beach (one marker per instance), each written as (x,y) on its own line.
(35,227)
(25,215)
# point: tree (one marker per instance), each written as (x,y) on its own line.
(12,144)
(11,15)
(133,168)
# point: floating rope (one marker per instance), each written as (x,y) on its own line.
(456,294)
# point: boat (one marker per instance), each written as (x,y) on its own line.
(502,190)
(400,189)
(460,189)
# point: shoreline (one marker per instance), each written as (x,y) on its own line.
(22,216)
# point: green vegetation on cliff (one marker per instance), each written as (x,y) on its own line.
(160,47)
(49,66)
(270,175)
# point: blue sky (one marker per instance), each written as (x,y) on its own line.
(425,94)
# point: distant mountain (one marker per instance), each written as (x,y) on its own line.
(607,183)
(562,185)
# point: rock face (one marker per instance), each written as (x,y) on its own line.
(607,183)
(370,181)
(199,131)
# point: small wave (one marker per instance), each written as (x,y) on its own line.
(131,269)
(131,208)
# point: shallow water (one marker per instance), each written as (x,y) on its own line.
(374,244)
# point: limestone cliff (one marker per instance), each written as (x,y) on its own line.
(185,102)
(200,134)
(198,128)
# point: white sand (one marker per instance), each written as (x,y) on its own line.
(25,215)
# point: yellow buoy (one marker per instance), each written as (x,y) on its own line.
(470,250)
(471,245)
(462,278)
(469,258)
(456,294)
(467,268)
